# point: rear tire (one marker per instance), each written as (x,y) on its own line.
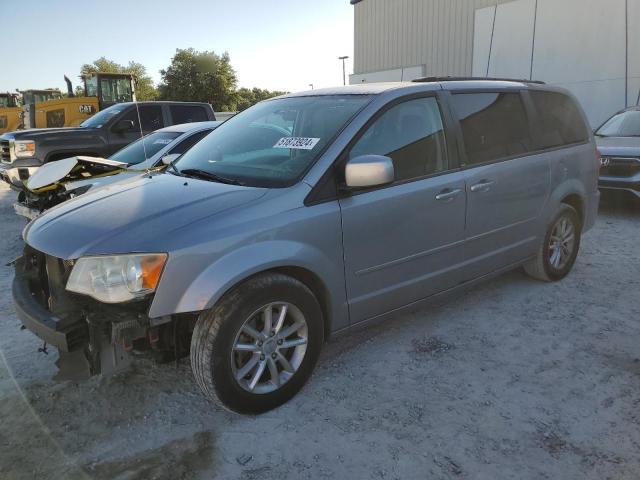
(559,249)
(245,328)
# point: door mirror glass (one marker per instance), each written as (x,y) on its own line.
(167,159)
(369,171)
(123,126)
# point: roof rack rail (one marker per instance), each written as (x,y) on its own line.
(462,79)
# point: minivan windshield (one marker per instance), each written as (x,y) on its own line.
(102,117)
(144,148)
(625,124)
(274,142)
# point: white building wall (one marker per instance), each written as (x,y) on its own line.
(512,39)
(392,34)
(633,97)
(405,74)
(571,48)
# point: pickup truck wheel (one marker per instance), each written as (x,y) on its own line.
(258,346)
(557,254)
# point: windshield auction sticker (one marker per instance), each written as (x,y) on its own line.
(298,143)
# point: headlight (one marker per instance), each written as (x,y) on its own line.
(117,278)
(24,148)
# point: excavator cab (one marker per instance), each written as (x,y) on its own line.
(101,90)
(109,88)
(9,100)
(10,112)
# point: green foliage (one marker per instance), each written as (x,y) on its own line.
(246,97)
(144,85)
(192,76)
(199,77)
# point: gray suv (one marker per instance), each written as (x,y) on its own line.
(306,216)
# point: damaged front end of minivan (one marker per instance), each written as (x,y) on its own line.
(92,337)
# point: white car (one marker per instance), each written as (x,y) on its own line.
(55,182)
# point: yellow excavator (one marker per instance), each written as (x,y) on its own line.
(101,90)
(10,112)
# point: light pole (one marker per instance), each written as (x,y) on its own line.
(344,76)
(311,85)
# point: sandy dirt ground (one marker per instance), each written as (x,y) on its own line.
(515,379)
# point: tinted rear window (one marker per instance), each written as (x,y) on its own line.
(494,125)
(559,120)
(187,114)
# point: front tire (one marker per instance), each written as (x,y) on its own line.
(258,346)
(559,250)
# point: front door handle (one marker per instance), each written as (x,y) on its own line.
(482,186)
(448,195)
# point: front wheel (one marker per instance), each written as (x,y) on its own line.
(557,254)
(258,346)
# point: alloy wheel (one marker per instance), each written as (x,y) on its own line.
(562,243)
(269,347)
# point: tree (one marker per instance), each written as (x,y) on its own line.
(200,77)
(144,84)
(246,97)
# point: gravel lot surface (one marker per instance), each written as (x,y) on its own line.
(515,379)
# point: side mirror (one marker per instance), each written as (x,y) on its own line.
(168,159)
(124,126)
(369,171)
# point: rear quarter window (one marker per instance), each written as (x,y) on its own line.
(559,121)
(187,114)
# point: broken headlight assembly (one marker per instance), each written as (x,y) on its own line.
(117,278)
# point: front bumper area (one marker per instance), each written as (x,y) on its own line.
(16,176)
(66,335)
(25,211)
(627,184)
(43,323)
(91,338)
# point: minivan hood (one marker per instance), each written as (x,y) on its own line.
(136,215)
(624,146)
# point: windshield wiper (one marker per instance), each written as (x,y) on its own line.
(203,174)
(172,166)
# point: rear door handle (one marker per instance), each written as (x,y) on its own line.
(482,186)
(447,194)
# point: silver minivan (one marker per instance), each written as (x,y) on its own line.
(306,216)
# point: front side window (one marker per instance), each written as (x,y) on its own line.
(144,148)
(274,142)
(494,125)
(150,116)
(559,120)
(625,124)
(412,135)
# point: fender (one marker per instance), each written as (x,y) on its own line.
(237,265)
(568,187)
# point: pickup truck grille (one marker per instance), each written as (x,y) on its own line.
(5,154)
(620,166)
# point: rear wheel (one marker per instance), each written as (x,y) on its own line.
(257,348)
(557,254)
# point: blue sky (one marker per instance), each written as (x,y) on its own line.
(277,44)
